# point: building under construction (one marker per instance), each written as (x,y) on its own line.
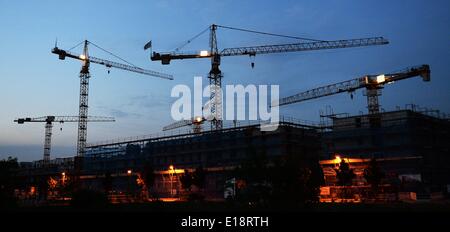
(410,143)
(218,152)
(412,133)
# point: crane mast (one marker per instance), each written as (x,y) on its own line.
(215,83)
(372,83)
(83,107)
(49,120)
(84,85)
(215,74)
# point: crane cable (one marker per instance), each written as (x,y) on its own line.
(76,46)
(191,39)
(112,54)
(244,30)
(271,34)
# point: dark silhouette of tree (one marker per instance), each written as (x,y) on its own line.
(199,177)
(108,183)
(290,180)
(43,187)
(148,175)
(373,174)
(186,180)
(66,187)
(89,199)
(8,181)
(344,174)
(296,181)
(315,179)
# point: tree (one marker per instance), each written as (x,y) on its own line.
(43,187)
(296,181)
(315,179)
(89,199)
(66,187)
(8,181)
(199,177)
(344,174)
(148,175)
(290,180)
(373,174)
(108,182)
(186,180)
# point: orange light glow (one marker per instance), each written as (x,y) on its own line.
(337,159)
(171,167)
(129,172)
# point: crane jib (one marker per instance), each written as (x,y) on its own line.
(310,46)
(62,54)
(368,81)
(165,58)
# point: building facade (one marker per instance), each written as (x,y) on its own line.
(217,152)
(395,134)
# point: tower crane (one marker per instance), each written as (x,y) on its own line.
(49,120)
(84,84)
(215,74)
(372,83)
(195,122)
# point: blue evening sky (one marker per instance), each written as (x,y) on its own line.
(35,83)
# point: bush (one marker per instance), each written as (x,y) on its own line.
(7,201)
(89,199)
(196,197)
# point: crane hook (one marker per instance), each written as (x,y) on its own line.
(252,58)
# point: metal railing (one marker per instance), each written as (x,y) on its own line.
(188,132)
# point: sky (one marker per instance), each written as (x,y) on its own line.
(36,83)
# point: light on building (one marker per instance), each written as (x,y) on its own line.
(198,119)
(129,171)
(204,53)
(337,159)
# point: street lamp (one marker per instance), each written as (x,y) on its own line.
(171,171)
(129,180)
(63,179)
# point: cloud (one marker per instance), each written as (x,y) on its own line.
(122,114)
(137,106)
(149,101)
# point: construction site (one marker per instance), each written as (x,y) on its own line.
(411,145)
(381,155)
